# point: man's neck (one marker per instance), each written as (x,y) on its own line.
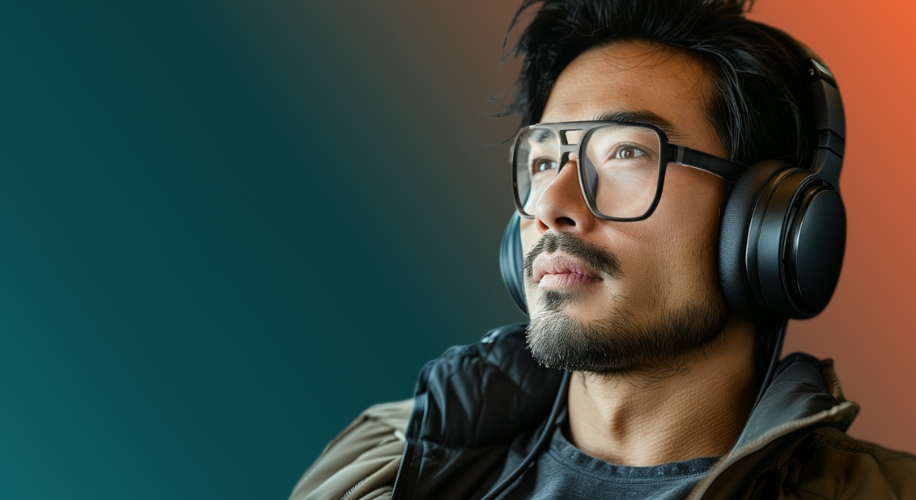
(666,415)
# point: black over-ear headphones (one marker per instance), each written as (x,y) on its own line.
(783,228)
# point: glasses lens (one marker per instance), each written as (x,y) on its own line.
(621,169)
(537,155)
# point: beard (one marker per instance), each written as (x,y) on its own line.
(620,342)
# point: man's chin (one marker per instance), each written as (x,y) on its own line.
(558,340)
(619,341)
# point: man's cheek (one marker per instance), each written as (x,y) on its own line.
(529,234)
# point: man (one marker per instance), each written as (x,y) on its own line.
(666,237)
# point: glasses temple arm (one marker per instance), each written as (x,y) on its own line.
(726,169)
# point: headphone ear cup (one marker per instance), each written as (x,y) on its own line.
(511,262)
(812,250)
(740,206)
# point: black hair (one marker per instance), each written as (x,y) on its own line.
(761,109)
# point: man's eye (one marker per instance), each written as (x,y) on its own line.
(626,151)
(542,165)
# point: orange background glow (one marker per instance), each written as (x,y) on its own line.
(869,328)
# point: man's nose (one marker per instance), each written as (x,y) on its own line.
(562,206)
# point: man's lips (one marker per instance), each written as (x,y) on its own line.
(561,270)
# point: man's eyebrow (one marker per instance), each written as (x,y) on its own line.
(641,116)
(543,136)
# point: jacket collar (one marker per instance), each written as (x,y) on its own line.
(798,391)
(489,393)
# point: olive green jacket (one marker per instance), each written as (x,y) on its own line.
(793,447)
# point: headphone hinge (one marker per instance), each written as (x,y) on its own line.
(829,115)
(827,165)
(832,141)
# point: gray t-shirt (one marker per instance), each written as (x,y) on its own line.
(562,471)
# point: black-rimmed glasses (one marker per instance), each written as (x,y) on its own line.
(621,165)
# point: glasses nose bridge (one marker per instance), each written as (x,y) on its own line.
(565,151)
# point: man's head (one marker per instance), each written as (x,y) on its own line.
(608,296)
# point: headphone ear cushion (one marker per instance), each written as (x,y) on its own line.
(511,262)
(740,206)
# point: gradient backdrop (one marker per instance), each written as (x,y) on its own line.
(227,227)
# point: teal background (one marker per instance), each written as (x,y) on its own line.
(227,227)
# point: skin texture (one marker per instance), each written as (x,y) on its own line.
(694,405)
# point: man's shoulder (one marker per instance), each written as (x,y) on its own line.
(794,445)
(362,461)
(840,462)
(819,462)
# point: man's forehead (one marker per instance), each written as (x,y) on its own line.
(633,82)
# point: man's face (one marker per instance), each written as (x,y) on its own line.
(609,296)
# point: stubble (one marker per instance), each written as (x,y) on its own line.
(622,341)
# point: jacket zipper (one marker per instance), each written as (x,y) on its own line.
(357,485)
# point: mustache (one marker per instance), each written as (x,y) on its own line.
(592,255)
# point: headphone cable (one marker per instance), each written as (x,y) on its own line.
(559,404)
(774,361)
